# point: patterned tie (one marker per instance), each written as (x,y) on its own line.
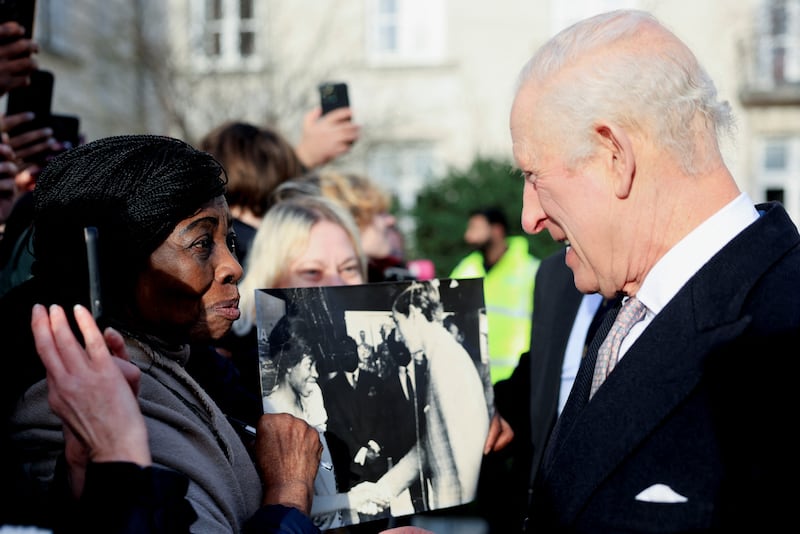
(607,355)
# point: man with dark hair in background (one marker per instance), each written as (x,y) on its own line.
(508,270)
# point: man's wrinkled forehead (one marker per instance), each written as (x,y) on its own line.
(522,118)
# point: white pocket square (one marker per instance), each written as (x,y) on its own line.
(660,493)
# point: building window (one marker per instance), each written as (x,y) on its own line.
(779,42)
(776,171)
(405,31)
(225,34)
(775,155)
(54,21)
(774,195)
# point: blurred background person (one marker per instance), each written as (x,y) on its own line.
(25,155)
(259,158)
(17,62)
(369,206)
(508,271)
(16,56)
(8,190)
(256,159)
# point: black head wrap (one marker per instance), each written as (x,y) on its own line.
(134,189)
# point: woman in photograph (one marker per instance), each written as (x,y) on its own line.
(297,392)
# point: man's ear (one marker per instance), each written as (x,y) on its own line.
(619,156)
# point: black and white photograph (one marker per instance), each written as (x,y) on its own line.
(395,377)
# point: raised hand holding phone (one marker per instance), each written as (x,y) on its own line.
(16,44)
(328,130)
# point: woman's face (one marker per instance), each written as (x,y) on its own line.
(329,260)
(188,290)
(303,376)
(376,238)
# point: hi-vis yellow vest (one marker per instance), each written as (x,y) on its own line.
(508,294)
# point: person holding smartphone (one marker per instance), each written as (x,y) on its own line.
(16,56)
(326,136)
(158,205)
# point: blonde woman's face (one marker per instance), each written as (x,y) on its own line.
(329,260)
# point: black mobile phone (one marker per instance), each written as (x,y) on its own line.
(36,97)
(66,130)
(333,95)
(21,11)
(93,260)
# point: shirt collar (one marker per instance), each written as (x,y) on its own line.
(689,255)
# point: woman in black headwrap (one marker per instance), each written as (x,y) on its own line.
(169,279)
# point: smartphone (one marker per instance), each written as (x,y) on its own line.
(66,130)
(36,97)
(21,11)
(333,95)
(95,296)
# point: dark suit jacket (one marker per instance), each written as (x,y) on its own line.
(556,302)
(354,418)
(400,431)
(528,399)
(703,402)
(399,419)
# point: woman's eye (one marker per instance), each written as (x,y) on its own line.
(203,243)
(351,274)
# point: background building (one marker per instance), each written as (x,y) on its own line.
(431,81)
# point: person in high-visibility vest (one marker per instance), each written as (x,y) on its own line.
(508,272)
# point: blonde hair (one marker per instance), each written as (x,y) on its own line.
(281,238)
(357,193)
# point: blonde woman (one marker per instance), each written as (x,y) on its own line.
(367,203)
(305,241)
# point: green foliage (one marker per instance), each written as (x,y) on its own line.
(443,207)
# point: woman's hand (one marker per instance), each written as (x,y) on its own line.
(288,452)
(93,392)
